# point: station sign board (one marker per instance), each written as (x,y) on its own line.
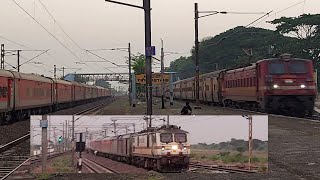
(156,78)
(150,51)
(43,123)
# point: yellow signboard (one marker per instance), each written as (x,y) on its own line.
(156,78)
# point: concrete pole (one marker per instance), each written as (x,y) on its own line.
(148,68)
(196,18)
(250,140)
(73,143)
(44,146)
(162,72)
(171,89)
(130,76)
(133,90)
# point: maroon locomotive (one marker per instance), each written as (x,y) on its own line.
(283,85)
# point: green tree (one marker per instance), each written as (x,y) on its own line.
(139,62)
(306,29)
(229,52)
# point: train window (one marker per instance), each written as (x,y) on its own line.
(166,137)
(297,67)
(276,68)
(250,82)
(180,137)
(1,91)
(254,81)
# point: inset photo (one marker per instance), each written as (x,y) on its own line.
(138,144)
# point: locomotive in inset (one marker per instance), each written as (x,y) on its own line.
(164,149)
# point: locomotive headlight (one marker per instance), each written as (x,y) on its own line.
(303,86)
(162,148)
(174,147)
(275,86)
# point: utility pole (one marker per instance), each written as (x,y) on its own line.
(126,129)
(114,127)
(147,16)
(67,138)
(55,71)
(134,128)
(62,72)
(72,143)
(250,140)
(18,53)
(196,14)
(64,139)
(168,123)
(44,141)
(55,138)
(2,56)
(105,133)
(130,76)
(162,71)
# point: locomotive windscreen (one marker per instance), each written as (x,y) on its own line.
(276,68)
(180,137)
(297,67)
(166,137)
(291,67)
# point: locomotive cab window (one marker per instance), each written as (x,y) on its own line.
(297,67)
(166,137)
(180,137)
(276,68)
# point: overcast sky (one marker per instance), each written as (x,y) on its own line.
(202,129)
(97,24)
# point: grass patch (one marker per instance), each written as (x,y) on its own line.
(228,157)
(43,176)
(63,165)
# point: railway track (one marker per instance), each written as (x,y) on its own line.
(95,167)
(95,108)
(219,168)
(13,155)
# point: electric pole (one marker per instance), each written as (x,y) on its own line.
(62,72)
(18,53)
(64,140)
(196,14)
(162,71)
(114,127)
(72,142)
(148,67)
(147,15)
(2,56)
(250,140)
(130,76)
(54,71)
(44,145)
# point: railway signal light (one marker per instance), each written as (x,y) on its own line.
(60,139)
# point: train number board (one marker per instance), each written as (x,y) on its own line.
(156,78)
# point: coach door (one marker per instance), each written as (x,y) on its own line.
(10,93)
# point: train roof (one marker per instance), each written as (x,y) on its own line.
(182,80)
(33,77)
(6,73)
(213,74)
(60,81)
